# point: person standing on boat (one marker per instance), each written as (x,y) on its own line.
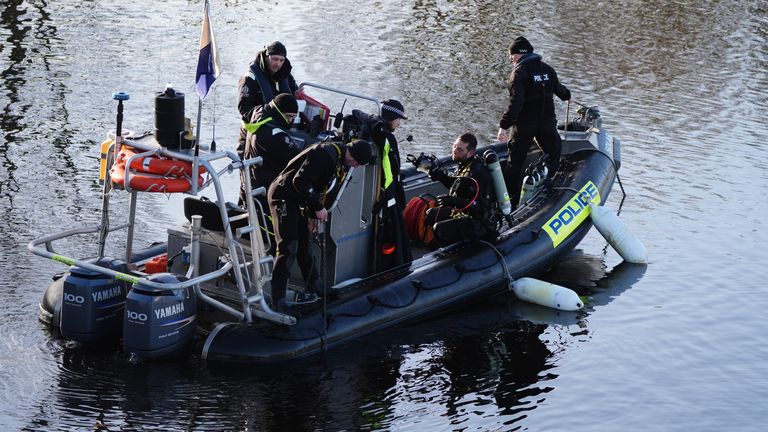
(466,212)
(269,74)
(268,137)
(298,200)
(392,247)
(530,114)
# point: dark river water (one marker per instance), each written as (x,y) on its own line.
(678,345)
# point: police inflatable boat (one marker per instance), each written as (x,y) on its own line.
(205,289)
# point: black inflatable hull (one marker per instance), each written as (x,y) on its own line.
(551,226)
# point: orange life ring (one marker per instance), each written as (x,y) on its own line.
(151,182)
(157,165)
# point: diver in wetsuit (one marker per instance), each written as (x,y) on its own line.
(298,200)
(466,212)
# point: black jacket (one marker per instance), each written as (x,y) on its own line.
(272,143)
(373,128)
(249,88)
(390,203)
(531,86)
(312,178)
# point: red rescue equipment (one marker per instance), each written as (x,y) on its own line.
(414,217)
(152,182)
(153,173)
(156,164)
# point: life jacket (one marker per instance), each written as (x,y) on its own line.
(267,88)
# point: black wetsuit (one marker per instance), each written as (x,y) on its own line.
(467,211)
(305,186)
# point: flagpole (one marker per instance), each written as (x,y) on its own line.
(195,165)
(208,70)
(197,127)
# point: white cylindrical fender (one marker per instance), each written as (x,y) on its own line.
(546,294)
(618,235)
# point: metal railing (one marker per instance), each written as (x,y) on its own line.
(44,246)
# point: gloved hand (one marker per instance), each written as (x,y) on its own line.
(435,172)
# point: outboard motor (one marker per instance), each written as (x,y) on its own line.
(587,117)
(159,322)
(502,195)
(591,116)
(92,302)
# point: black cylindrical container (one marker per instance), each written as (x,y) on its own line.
(93,303)
(169,117)
(159,322)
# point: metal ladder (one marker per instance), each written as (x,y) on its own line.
(261,263)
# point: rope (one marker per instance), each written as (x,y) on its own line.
(615,171)
(621,186)
(501,260)
(414,217)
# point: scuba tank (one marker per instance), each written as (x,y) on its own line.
(529,186)
(533,181)
(502,196)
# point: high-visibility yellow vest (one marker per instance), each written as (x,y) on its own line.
(385,166)
(253,127)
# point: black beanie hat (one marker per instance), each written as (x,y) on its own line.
(276,47)
(520,46)
(286,103)
(392,109)
(361,151)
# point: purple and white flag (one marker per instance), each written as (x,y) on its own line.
(208,68)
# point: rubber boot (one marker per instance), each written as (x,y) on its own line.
(278,288)
(281,306)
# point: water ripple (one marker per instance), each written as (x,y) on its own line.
(681,84)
